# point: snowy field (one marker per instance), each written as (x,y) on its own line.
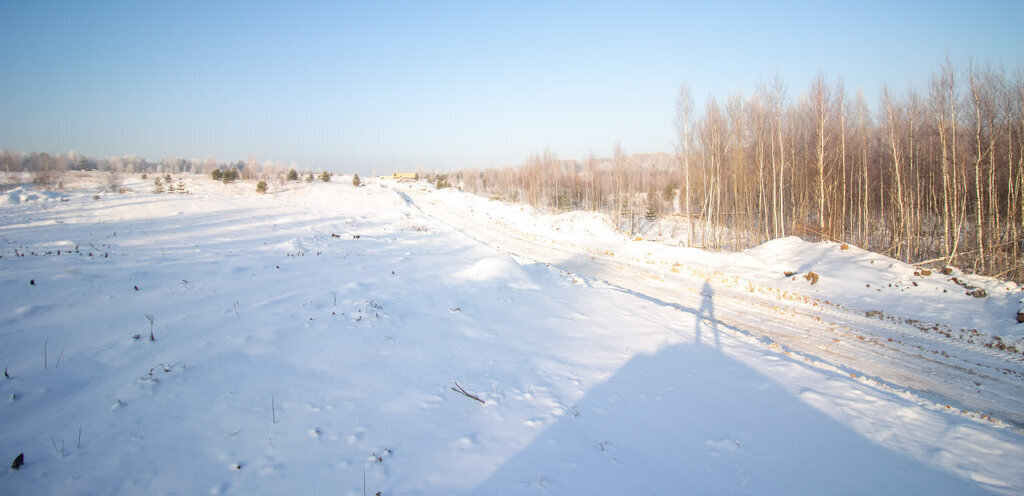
(309,341)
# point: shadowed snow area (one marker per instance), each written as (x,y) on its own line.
(311,339)
(688,420)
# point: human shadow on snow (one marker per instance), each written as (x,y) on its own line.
(706,316)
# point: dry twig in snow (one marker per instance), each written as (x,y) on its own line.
(464,393)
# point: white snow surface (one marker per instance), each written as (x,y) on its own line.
(502,270)
(309,341)
(20,195)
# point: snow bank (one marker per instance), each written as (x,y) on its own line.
(18,196)
(502,271)
(868,281)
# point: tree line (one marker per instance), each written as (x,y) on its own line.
(47,170)
(927,176)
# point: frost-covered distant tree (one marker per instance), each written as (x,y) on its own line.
(172,165)
(8,162)
(47,171)
(130,164)
(252,167)
(209,164)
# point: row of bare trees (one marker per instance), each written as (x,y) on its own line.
(926,176)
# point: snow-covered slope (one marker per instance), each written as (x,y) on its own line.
(308,341)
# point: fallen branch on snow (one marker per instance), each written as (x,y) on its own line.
(464,393)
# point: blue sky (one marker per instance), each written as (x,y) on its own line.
(380,85)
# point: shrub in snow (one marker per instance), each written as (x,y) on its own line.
(356,181)
(216,174)
(309,178)
(229,175)
(261,186)
(293,175)
(114,181)
(325,176)
(46,178)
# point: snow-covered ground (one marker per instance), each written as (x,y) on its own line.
(309,341)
